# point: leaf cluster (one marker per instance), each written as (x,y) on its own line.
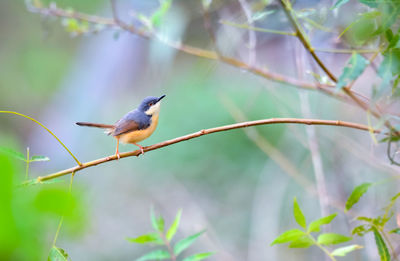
(161,237)
(303,238)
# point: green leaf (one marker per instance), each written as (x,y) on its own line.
(357,193)
(13,153)
(198,257)
(354,68)
(298,214)
(315,226)
(361,230)
(339,3)
(370,3)
(157,223)
(390,65)
(342,251)
(288,236)
(147,238)
(57,254)
(155,255)
(395,231)
(186,242)
(381,245)
(39,158)
(332,239)
(157,17)
(302,242)
(172,230)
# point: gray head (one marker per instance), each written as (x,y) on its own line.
(150,105)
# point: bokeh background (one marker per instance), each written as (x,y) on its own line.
(238,185)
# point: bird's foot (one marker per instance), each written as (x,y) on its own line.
(117,155)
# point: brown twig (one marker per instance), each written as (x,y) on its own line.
(199,52)
(206,132)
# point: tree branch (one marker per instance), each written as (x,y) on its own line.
(201,133)
(116,22)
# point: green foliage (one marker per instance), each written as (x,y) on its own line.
(342,251)
(332,239)
(381,245)
(158,237)
(356,194)
(354,68)
(298,214)
(377,225)
(57,254)
(288,236)
(172,230)
(198,257)
(303,239)
(339,3)
(158,16)
(29,214)
(155,255)
(315,226)
(181,245)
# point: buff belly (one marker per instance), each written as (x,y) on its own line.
(139,135)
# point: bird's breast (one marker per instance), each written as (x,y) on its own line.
(139,135)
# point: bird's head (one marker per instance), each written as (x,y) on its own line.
(151,105)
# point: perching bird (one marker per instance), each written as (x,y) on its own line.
(136,125)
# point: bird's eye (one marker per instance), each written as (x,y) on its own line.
(150,104)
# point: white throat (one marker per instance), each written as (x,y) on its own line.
(155,109)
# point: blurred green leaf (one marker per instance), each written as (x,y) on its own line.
(356,194)
(198,257)
(157,223)
(381,245)
(370,3)
(172,230)
(316,225)
(343,251)
(186,242)
(332,239)
(57,254)
(302,242)
(288,236)
(298,214)
(395,231)
(147,238)
(339,3)
(39,158)
(157,17)
(390,65)
(13,153)
(55,200)
(155,255)
(361,230)
(354,68)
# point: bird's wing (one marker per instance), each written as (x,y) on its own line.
(124,126)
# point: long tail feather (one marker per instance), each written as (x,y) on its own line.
(96,125)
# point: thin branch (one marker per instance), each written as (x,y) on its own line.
(203,53)
(306,43)
(47,129)
(206,132)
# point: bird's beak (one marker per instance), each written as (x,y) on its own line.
(159,99)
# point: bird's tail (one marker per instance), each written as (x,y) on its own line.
(96,125)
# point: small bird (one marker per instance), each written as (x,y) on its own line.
(135,126)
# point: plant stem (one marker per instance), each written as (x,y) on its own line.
(326,251)
(27,163)
(44,127)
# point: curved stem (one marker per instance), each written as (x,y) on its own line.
(44,127)
(206,132)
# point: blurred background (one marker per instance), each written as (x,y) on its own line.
(238,185)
